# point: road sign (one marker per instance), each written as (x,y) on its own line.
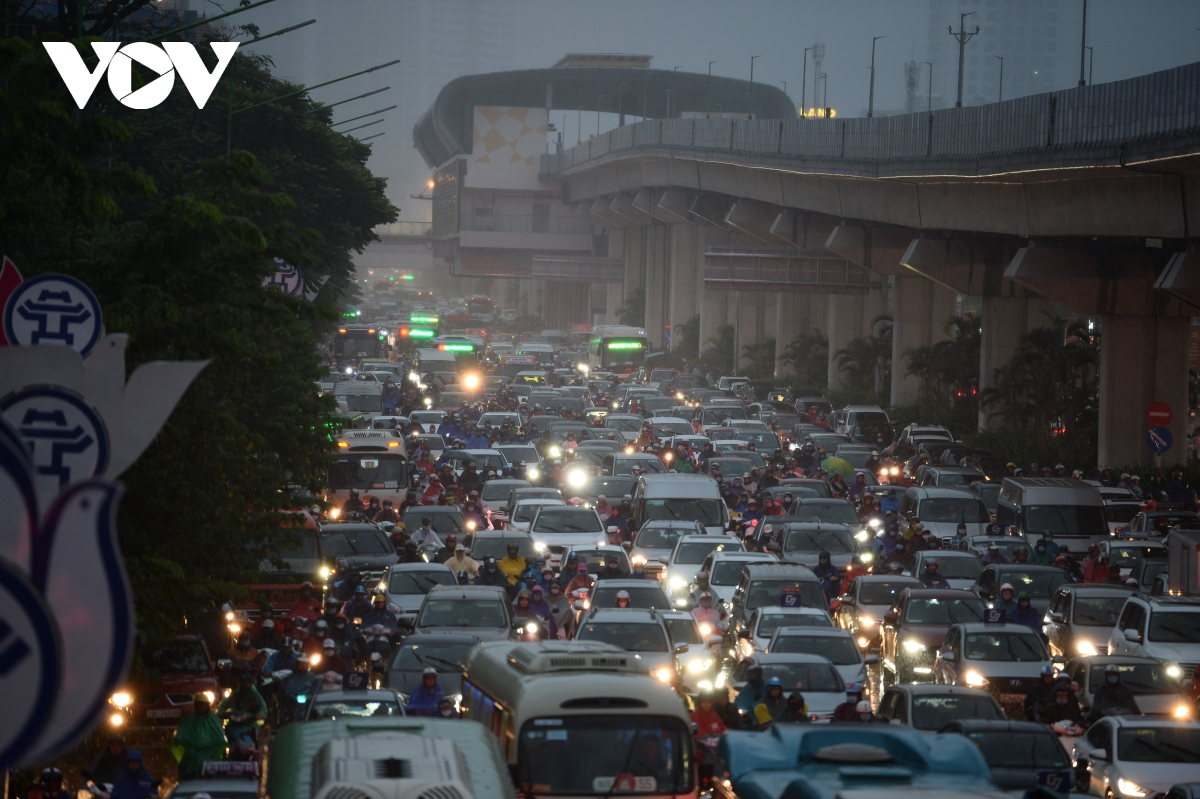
(1159,414)
(1159,439)
(53,309)
(789,596)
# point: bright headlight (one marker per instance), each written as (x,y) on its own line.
(861,535)
(325,572)
(428,402)
(413,376)
(121,699)
(1182,711)
(664,675)
(1130,788)
(914,646)
(706,630)
(874,523)
(539,546)
(638,560)
(677,582)
(531,627)
(471,381)
(699,665)
(975,678)
(866,557)
(705,685)
(210,696)
(1086,648)
(576,478)
(868,622)
(532,474)
(1174,671)
(555,452)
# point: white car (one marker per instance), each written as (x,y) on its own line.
(689,553)
(1160,627)
(960,569)
(1138,756)
(556,529)
(836,645)
(524,512)
(725,569)
(763,623)
(812,675)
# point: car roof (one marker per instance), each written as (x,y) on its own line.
(1026,567)
(926,554)
(633,615)
(338,695)
(720,539)
(439,638)
(817,632)
(627,583)
(935,689)
(420,566)
(982,627)
(417,510)
(776,569)
(1095,660)
(782,611)
(790,657)
(1100,589)
(468,592)
(506,482)
(670,524)
(943,593)
(657,419)
(885,578)
(1000,725)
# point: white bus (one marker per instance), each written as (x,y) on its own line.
(373,462)
(617,348)
(581,719)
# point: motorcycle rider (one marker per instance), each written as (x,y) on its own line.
(353,505)
(267,639)
(349,641)
(542,610)
(446,709)
(424,700)
(1005,601)
(1064,707)
(848,710)
(1041,695)
(425,538)
(931,578)
(750,694)
(198,738)
(330,660)
(581,580)
(560,608)
(109,761)
(490,574)
(307,606)
(358,606)
(461,562)
(380,615)
(1025,614)
(512,564)
(244,710)
(51,784)
(298,689)
(134,782)
(1113,698)
(828,574)
(705,613)
(447,551)
(773,702)
(622,599)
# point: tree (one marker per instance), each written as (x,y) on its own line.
(758,359)
(687,339)
(862,359)
(633,311)
(808,356)
(718,356)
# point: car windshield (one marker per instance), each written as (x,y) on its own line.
(1184,521)
(1139,678)
(838,512)
(584,755)
(882,592)
(631,636)
(462,613)
(841,651)
(664,429)
(647,596)
(768,622)
(497,492)
(696,551)
(365,472)
(362,402)
(835,541)
(655,537)
(442,522)
(1165,744)
(497,547)
(727,572)
(763,440)
(482,460)
(1025,751)
(935,712)
(624,425)
(625,466)
(525,454)
(1098,611)
(418,582)
(818,678)
(1064,520)
(355,709)
(1129,554)
(938,610)
(610,487)
(1175,628)
(181,655)
(717,415)
(596,559)
(684,631)
(767,592)
(947,509)
(367,541)
(568,520)
(1039,585)
(525,511)
(1005,646)
(1121,514)
(419,656)
(967,568)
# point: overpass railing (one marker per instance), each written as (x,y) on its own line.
(761,269)
(1158,105)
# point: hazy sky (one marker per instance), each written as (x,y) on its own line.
(441,39)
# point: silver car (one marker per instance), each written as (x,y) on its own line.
(657,538)
(836,645)
(1006,660)
(406,585)
(1135,756)
(689,553)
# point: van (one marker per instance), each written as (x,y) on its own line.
(942,509)
(1070,509)
(435,361)
(763,584)
(853,416)
(680,497)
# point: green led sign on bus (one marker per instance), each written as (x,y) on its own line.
(624,345)
(456,347)
(423,320)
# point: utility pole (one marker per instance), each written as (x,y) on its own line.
(824,93)
(708,102)
(804,84)
(784,82)
(963,37)
(871,100)
(929,101)
(1001,98)
(579,127)
(621,107)
(1091,63)
(752,66)
(599,100)
(1083,45)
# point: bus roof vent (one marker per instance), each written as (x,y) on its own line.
(385,765)
(443,791)
(349,792)
(609,663)
(552,656)
(568,663)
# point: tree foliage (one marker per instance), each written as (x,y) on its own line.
(758,359)
(861,359)
(808,356)
(687,339)
(633,311)
(718,355)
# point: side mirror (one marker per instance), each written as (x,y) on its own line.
(871,660)
(577,604)
(1099,754)
(744,635)
(947,656)
(680,648)
(1057,618)
(1058,659)
(846,599)
(889,618)
(224,663)
(1133,636)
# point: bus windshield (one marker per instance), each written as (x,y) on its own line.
(584,755)
(367,471)
(362,402)
(705,511)
(1065,520)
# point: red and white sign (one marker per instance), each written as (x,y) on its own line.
(1159,414)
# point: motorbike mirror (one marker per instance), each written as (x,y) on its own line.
(577,604)
(889,618)
(744,635)
(224,663)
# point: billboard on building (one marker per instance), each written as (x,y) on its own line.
(508,144)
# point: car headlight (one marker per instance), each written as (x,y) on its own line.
(721,680)
(539,546)
(576,478)
(638,560)
(555,452)
(705,685)
(325,572)
(706,629)
(861,536)
(1086,648)
(210,696)
(664,675)
(531,627)
(875,523)
(868,622)
(1182,712)
(914,646)
(532,474)
(863,642)
(866,557)
(121,699)
(1130,788)
(1174,671)
(676,582)
(699,665)
(974,678)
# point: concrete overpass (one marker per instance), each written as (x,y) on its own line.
(1086,198)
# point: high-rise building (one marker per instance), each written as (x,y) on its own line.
(1030,35)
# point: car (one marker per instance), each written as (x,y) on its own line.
(656,540)
(1156,691)
(979,544)
(943,509)
(1006,660)
(627,425)
(221,780)
(613,489)
(1145,572)
(930,708)
(162,695)
(698,669)
(961,569)
(830,511)
(805,542)
(736,463)
(914,628)
(596,556)
(343,704)
(1124,554)
(838,646)
(432,442)
(524,510)
(495,492)
(555,528)
(532,492)
(1161,627)
(725,569)
(444,652)
(951,476)
(812,675)
(689,553)
(444,518)
(646,594)
(1081,618)
(358,547)
(1135,756)
(755,634)
(623,463)
(819,486)
(636,630)
(1014,750)
(1040,582)
(480,610)
(406,585)
(765,584)
(526,454)
(1119,515)
(494,544)
(1157,523)
(860,609)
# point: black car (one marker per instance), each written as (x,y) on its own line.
(1015,750)
(445,652)
(357,547)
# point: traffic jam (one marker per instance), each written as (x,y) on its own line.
(621,577)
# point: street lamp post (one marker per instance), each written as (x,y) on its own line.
(621,106)
(1091,63)
(752,66)
(804,84)
(871,97)
(579,127)
(599,100)
(1001,98)
(929,100)
(963,37)
(1083,45)
(317,108)
(708,90)
(363,116)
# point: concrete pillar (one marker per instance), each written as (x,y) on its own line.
(922,308)
(633,254)
(685,274)
(1142,359)
(714,311)
(537,297)
(751,315)
(791,318)
(1003,321)
(616,298)
(525,300)
(657,246)
(846,320)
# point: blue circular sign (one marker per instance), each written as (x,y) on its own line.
(287,278)
(53,309)
(64,436)
(1159,439)
(29,664)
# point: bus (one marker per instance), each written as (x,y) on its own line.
(466,350)
(352,343)
(373,462)
(480,306)
(617,348)
(580,718)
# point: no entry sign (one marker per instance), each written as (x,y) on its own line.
(1159,414)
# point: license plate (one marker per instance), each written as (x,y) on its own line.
(172,713)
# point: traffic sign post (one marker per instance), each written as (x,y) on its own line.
(1159,440)
(1159,414)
